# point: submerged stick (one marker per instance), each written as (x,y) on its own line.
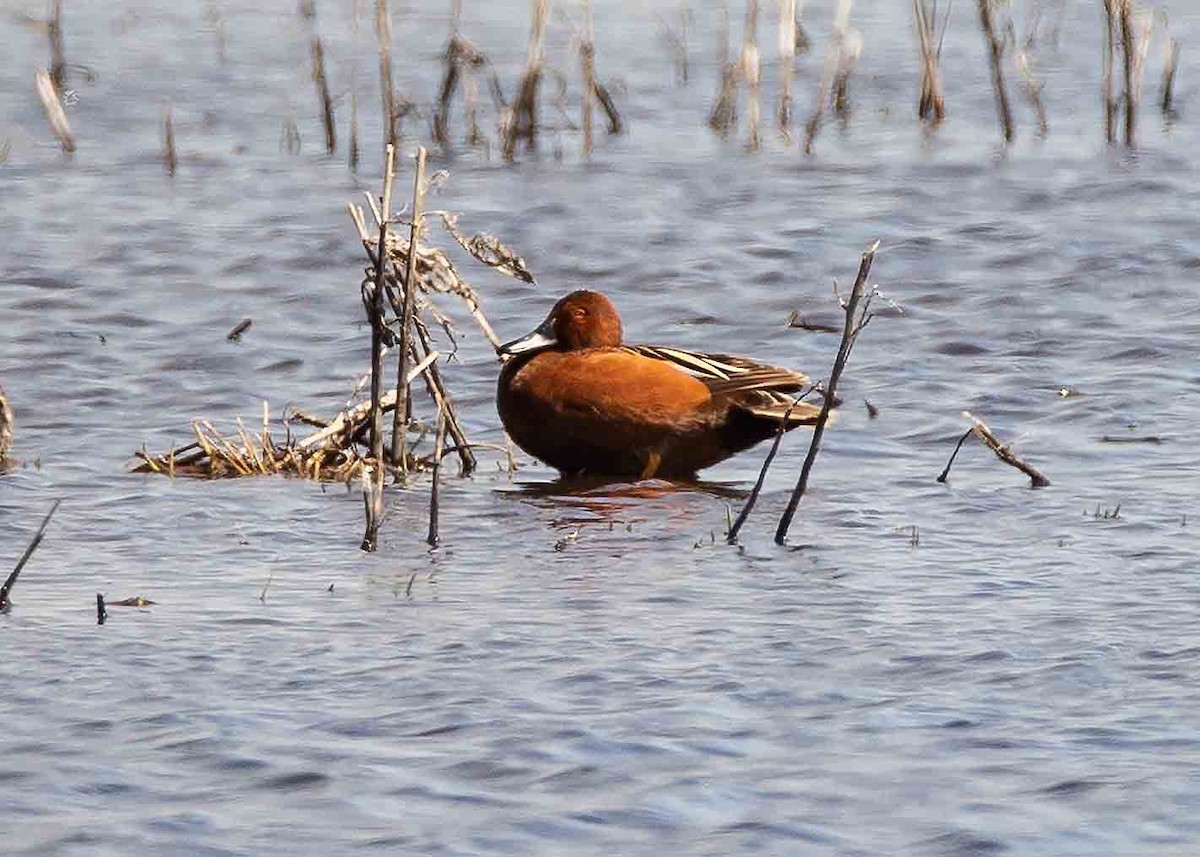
(372,491)
(5,603)
(521,117)
(101,612)
(400,415)
(1125,25)
(1108,88)
(855,322)
(996,57)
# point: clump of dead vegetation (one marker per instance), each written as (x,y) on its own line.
(351,444)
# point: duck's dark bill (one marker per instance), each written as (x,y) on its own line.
(543,337)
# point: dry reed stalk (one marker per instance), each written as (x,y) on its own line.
(1003,451)
(723,116)
(852,45)
(752,74)
(400,415)
(461,60)
(520,120)
(1125,29)
(439,445)
(375,309)
(58,63)
(1108,87)
(675,39)
(803,43)
(1170,67)
(787,65)
(353,154)
(931,107)
(832,73)
(1033,90)
(372,491)
(383,34)
(55,114)
(996,44)
(319,78)
(858,316)
(6,432)
(587,63)
(169,155)
(6,589)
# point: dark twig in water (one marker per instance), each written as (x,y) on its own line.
(1003,451)
(1170,67)
(58,63)
(1109,438)
(169,155)
(372,491)
(945,474)
(323,95)
(434,493)
(375,309)
(996,44)
(235,335)
(101,613)
(735,527)
(6,589)
(858,316)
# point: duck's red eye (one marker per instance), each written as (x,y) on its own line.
(579,312)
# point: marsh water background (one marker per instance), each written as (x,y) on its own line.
(1023,680)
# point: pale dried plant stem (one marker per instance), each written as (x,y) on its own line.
(383,33)
(52,103)
(587,61)
(170,157)
(995,43)
(752,74)
(787,65)
(400,415)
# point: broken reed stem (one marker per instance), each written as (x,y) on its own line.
(169,155)
(1170,67)
(48,93)
(521,117)
(855,322)
(352,155)
(33,545)
(787,65)
(436,388)
(1003,451)
(1125,9)
(931,107)
(375,311)
(318,75)
(6,432)
(1108,88)
(439,445)
(400,415)
(996,57)
(1033,91)
(752,74)
(383,34)
(723,116)
(831,75)
(587,61)
(736,527)
(101,611)
(58,63)
(372,491)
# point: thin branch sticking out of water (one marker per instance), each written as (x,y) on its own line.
(1003,451)
(858,316)
(6,589)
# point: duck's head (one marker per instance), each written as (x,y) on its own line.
(582,319)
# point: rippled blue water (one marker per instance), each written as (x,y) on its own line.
(1020,677)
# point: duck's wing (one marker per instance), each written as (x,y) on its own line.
(759,389)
